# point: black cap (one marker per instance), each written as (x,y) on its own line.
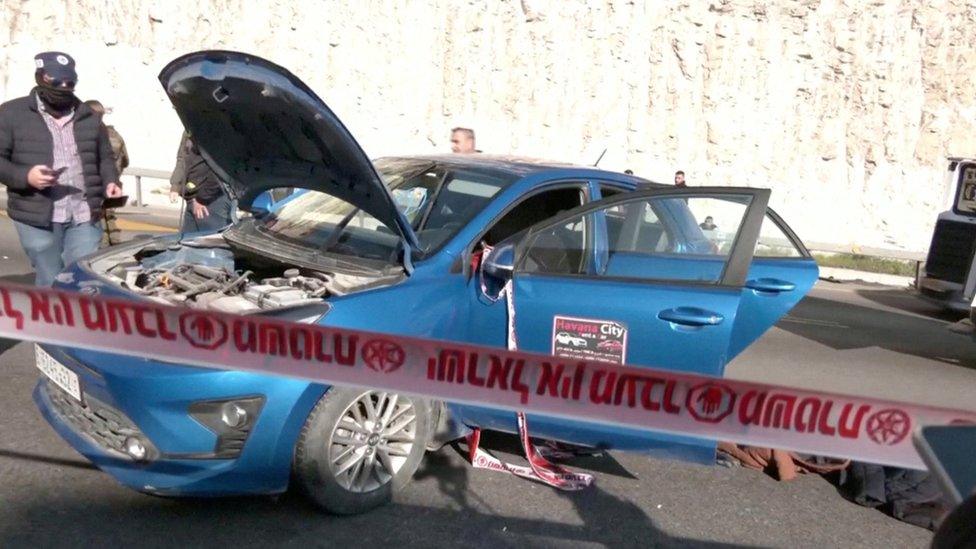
(57,65)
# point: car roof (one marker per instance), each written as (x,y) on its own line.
(516,167)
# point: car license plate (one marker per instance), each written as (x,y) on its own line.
(58,373)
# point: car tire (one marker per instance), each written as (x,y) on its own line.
(344,456)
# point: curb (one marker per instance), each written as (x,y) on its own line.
(834,274)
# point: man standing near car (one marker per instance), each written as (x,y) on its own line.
(177,180)
(56,161)
(208,207)
(679,179)
(462,141)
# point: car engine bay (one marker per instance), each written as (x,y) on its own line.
(206,273)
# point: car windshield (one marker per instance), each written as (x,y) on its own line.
(437,200)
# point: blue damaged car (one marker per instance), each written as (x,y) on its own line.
(603,266)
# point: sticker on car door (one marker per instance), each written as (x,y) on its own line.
(589,339)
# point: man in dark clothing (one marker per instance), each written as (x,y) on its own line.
(56,161)
(177,180)
(208,206)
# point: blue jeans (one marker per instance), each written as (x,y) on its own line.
(51,249)
(223,212)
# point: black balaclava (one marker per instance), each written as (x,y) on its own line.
(58,100)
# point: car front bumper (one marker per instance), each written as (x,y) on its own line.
(125,398)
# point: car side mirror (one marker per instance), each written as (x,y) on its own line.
(500,263)
(497,270)
(261,205)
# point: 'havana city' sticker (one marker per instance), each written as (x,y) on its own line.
(589,339)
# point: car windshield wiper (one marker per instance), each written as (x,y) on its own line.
(339,229)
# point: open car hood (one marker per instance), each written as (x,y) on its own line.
(259,127)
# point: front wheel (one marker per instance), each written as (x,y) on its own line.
(359,447)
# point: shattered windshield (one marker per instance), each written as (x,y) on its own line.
(436,200)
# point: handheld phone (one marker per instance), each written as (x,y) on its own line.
(949,451)
(116,202)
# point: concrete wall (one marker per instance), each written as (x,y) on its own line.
(846,108)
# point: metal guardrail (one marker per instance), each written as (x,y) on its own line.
(885,253)
(139,173)
(854,249)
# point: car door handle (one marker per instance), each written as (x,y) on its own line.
(691,316)
(774,285)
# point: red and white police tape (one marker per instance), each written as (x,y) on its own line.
(834,425)
(540,468)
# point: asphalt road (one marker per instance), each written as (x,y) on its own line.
(849,338)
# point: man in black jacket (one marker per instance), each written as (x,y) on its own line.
(56,161)
(208,206)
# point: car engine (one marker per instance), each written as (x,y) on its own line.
(203,274)
(200,286)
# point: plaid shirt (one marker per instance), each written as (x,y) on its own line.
(69,192)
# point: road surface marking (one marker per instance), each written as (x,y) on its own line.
(129,225)
(813,322)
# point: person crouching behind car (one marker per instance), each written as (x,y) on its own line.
(56,161)
(208,208)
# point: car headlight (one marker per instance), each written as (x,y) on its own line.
(136,448)
(230,419)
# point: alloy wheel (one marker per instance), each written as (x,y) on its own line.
(372,440)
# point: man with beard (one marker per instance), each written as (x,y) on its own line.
(56,161)
(679,179)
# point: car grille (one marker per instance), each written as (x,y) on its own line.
(105,425)
(951,252)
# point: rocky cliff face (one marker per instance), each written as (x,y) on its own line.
(846,108)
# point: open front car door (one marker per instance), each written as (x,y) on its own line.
(653,278)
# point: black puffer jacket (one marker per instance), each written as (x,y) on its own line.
(26,142)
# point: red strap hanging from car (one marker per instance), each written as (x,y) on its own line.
(540,469)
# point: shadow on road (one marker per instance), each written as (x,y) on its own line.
(127,518)
(47,460)
(858,327)
(451,476)
(908,301)
(289,521)
(607,519)
(620,523)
